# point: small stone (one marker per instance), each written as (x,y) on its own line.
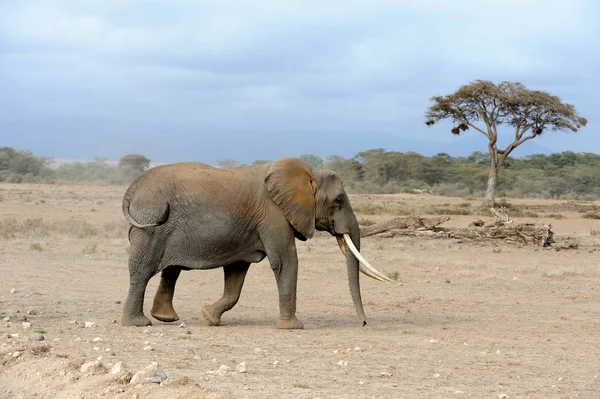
(182,325)
(224,369)
(503,396)
(89,324)
(361,383)
(241,368)
(13,290)
(358,349)
(93,368)
(96,348)
(385,374)
(97,339)
(146,332)
(257,350)
(26,325)
(7,318)
(150,374)
(38,337)
(434,341)
(276,363)
(15,335)
(342,363)
(31,312)
(22,318)
(117,368)
(436,375)
(188,332)
(147,348)
(16,354)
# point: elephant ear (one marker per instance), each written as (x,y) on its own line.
(292,187)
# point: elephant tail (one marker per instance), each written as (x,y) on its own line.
(133,222)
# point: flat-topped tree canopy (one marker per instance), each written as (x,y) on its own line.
(484,106)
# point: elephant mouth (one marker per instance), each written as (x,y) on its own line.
(365,267)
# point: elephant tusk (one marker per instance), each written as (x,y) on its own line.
(369,273)
(367,266)
(362,269)
(340,242)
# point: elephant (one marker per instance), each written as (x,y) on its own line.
(190,215)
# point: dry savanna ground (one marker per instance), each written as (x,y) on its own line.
(461,320)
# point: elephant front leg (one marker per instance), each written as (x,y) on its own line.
(162,308)
(234,280)
(286,274)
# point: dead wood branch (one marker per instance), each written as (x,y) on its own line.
(501,214)
(404,224)
(478,231)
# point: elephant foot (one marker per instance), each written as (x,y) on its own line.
(164,313)
(291,323)
(135,321)
(209,315)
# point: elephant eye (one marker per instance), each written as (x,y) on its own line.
(338,202)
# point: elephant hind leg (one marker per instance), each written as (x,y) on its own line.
(133,310)
(162,308)
(234,280)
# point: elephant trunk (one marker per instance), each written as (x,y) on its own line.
(352,265)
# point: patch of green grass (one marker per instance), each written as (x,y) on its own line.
(36,246)
(393,275)
(90,248)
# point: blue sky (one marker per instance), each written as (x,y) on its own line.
(208,80)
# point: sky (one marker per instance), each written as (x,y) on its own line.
(241,79)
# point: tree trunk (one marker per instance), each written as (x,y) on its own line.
(489,200)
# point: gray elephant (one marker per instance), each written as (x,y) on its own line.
(193,216)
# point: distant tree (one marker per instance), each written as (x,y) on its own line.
(260,162)
(312,160)
(228,163)
(484,106)
(132,162)
(479,157)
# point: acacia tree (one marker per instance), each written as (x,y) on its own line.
(134,162)
(484,106)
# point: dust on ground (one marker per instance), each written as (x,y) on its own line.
(463,319)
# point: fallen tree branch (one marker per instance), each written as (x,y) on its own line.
(409,223)
(512,233)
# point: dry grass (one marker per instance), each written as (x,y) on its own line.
(11,227)
(560,273)
(447,209)
(591,215)
(366,222)
(369,208)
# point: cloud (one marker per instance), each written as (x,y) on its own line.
(271,67)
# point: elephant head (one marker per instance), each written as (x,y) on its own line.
(313,198)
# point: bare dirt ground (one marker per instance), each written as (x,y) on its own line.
(463,319)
